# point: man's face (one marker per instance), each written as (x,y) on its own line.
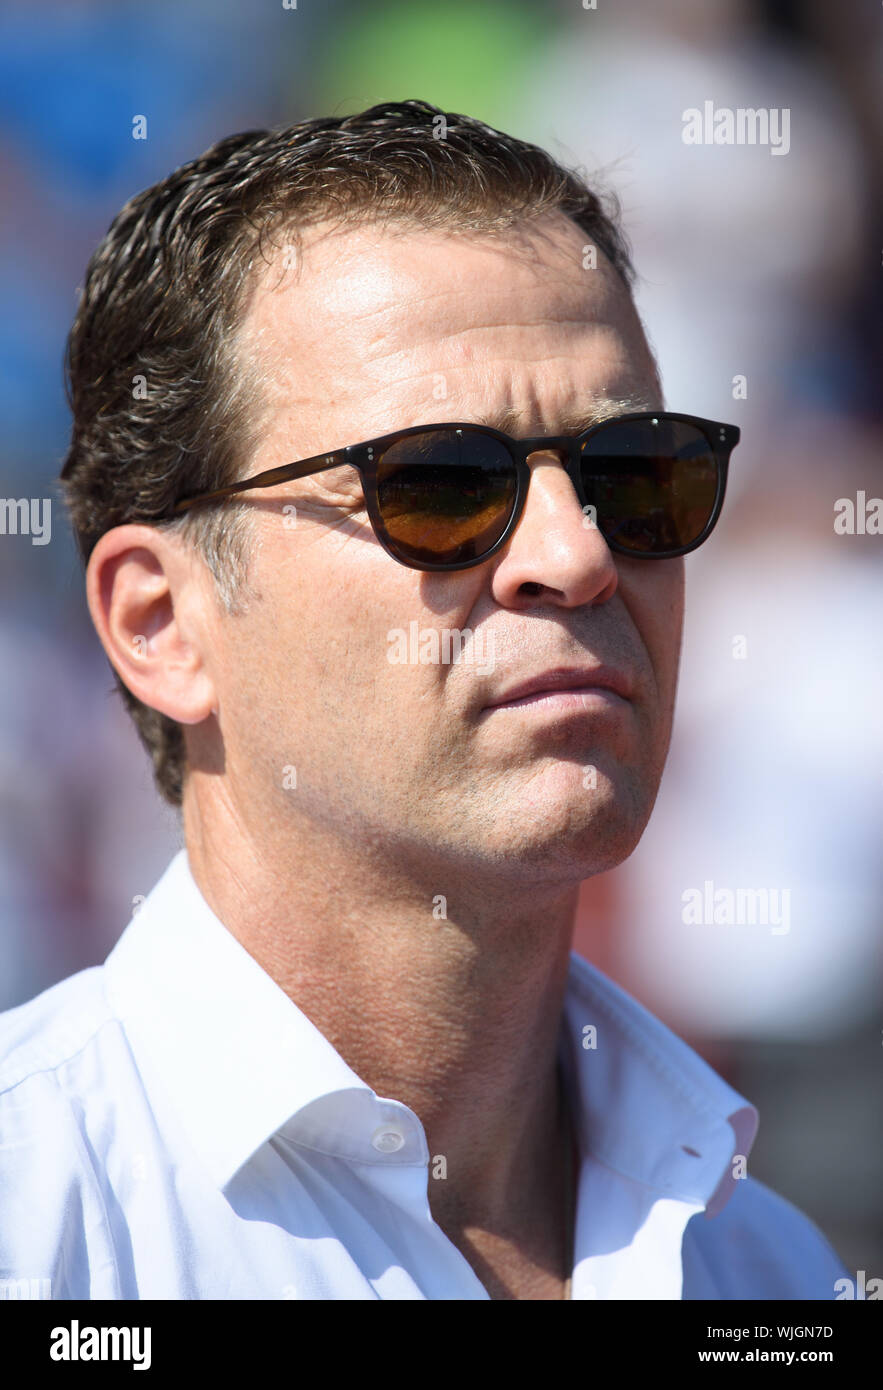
(378,330)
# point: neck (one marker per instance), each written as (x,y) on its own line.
(452,1008)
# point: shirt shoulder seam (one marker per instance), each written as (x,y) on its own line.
(38,1069)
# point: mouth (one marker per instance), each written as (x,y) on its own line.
(562,702)
(565,689)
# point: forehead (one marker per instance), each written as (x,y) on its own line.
(386,325)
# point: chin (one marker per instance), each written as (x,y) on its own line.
(564,845)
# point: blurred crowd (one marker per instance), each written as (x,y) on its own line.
(760,286)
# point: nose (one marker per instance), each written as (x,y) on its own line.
(556,554)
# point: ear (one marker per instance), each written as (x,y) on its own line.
(150,598)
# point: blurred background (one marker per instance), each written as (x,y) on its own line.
(761,292)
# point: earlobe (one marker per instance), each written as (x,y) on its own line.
(146,607)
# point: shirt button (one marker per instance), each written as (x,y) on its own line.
(388,1139)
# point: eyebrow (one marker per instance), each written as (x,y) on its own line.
(509,420)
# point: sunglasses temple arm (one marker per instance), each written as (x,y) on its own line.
(286,473)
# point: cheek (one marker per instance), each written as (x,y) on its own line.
(331,628)
(654,596)
(664,609)
(668,633)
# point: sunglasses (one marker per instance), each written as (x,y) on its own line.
(446,497)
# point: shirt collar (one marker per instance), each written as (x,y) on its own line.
(241,1062)
(649,1107)
(212,1030)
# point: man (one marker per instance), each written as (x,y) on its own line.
(408,695)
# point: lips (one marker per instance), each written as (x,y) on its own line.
(566,678)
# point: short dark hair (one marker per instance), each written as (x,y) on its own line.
(161,406)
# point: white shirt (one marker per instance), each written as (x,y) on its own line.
(172,1126)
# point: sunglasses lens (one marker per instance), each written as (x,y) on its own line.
(654,486)
(445,496)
